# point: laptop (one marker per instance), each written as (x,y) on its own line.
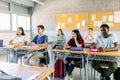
(1,43)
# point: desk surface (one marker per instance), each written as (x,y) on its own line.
(12,68)
(68,51)
(31,48)
(24,47)
(112,53)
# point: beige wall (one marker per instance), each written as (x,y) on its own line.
(45,14)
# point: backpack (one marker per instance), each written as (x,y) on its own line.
(117,74)
(59,68)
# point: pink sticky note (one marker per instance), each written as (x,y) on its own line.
(92,50)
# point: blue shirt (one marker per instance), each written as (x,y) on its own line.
(105,42)
(40,40)
(61,37)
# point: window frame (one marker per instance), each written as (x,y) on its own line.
(11,28)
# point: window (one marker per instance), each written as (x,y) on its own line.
(20,21)
(4,21)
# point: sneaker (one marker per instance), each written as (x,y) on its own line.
(71,78)
(67,77)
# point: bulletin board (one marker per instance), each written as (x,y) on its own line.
(110,18)
(72,21)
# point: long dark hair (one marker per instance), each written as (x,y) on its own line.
(79,37)
(60,31)
(22,31)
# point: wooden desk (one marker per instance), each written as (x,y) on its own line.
(33,48)
(107,54)
(7,50)
(88,42)
(68,51)
(27,50)
(113,56)
(16,69)
(57,41)
(74,54)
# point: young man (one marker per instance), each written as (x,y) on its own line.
(40,40)
(89,37)
(104,43)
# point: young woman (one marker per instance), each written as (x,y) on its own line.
(60,40)
(18,40)
(75,41)
(61,36)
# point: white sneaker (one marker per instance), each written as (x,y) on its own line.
(71,78)
(67,77)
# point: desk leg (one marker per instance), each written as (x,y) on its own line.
(53,76)
(83,75)
(15,56)
(37,58)
(87,68)
(7,58)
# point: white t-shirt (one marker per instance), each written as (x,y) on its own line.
(89,38)
(106,42)
(19,39)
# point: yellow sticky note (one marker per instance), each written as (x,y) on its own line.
(64,16)
(77,17)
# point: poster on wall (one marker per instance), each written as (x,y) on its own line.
(69,20)
(78,25)
(110,18)
(104,18)
(97,23)
(83,23)
(117,17)
(93,17)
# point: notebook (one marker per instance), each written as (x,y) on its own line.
(1,43)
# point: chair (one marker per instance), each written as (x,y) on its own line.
(79,65)
(45,59)
(20,57)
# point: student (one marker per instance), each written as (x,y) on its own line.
(40,40)
(61,36)
(75,41)
(89,37)
(103,43)
(61,39)
(18,40)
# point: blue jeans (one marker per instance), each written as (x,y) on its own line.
(69,66)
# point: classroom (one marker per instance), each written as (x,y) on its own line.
(60,39)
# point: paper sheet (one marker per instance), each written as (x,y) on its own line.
(30,74)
